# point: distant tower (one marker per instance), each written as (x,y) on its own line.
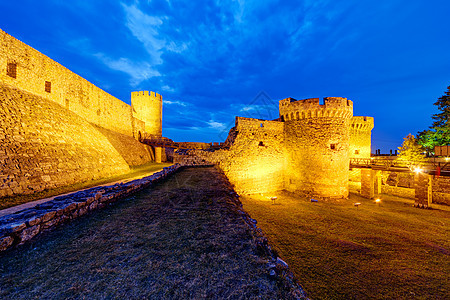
(360,137)
(147,107)
(317,141)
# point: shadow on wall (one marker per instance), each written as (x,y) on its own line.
(132,151)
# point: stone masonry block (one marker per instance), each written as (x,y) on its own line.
(48,216)
(29,233)
(6,242)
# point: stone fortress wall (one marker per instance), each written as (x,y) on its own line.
(57,129)
(44,146)
(27,69)
(306,150)
(254,161)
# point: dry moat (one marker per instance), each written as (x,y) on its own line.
(184,238)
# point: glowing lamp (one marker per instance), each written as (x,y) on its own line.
(357,204)
(418,170)
(273,199)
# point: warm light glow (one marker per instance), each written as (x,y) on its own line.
(273,199)
(378,200)
(418,170)
(257,176)
(447,159)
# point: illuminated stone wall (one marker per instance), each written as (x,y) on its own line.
(23,67)
(307,152)
(360,137)
(441,190)
(255,161)
(402,184)
(133,152)
(317,146)
(43,146)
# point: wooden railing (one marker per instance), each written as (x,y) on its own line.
(400,165)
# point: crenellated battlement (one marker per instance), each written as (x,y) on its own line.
(146,94)
(333,107)
(362,123)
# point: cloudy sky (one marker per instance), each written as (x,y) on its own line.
(214,60)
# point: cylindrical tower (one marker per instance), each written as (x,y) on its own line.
(360,137)
(147,107)
(317,142)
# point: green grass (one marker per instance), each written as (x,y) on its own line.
(134,172)
(339,251)
(182,239)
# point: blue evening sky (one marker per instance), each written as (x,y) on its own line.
(214,60)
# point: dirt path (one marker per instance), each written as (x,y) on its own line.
(183,239)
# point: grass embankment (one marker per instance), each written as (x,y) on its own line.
(339,251)
(182,239)
(134,172)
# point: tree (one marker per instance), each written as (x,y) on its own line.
(439,132)
(410,150)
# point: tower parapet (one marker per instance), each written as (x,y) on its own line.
(334,107)
(147,107)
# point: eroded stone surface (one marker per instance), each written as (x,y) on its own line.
(6,242)
(29,233)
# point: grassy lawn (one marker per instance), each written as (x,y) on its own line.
(182,239)
(339,251)
(138,171)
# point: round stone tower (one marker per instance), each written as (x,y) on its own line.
(317,142)
(147,107)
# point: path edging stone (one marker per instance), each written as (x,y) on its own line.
(277,268)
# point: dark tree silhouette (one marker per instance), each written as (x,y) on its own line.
(439,132)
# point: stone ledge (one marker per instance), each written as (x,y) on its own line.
(22,226)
